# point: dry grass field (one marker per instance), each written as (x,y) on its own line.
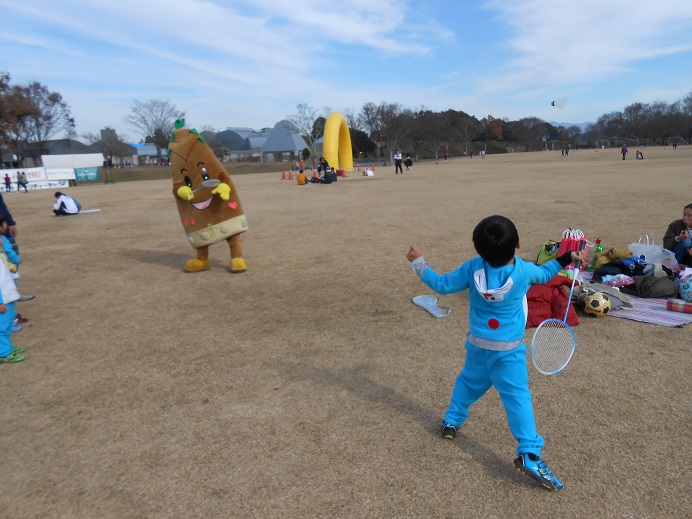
(310,386)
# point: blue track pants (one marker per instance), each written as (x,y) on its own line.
(508,373)
(6,325)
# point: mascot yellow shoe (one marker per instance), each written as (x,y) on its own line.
(238,265)
(197,265)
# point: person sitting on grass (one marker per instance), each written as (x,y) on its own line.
(497,281)
(302,178)
(65,205)
(678,237)
(408,162)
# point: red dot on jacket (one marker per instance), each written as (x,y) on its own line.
(494,324)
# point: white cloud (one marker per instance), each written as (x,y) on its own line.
(556,43)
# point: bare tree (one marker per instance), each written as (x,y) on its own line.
(369,119)
(112,146)
(468,129)
(573,133)
(659,121)
(419,132)
(492,130)
(35,114)
(680,115)
(609,126)
(15,110)
(304,122)
(395,123)
(635,119)
(55,112)
(5,107)
(156,120)
(351,119)
(433,128)
(528,130)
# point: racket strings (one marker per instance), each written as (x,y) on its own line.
(552,346)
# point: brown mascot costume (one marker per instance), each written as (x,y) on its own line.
(208,203)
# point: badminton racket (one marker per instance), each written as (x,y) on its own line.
(554,341)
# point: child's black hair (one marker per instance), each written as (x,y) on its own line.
(2,220)
(495,239)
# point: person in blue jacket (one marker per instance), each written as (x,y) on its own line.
(8,296)
(497,281)
(11,232)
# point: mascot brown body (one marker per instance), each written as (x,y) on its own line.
(207,201)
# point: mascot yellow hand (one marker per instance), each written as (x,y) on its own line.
(223,190)
(185,193)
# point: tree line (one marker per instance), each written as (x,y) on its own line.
(32,114)
(379,130)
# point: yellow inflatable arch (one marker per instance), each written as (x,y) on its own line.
(337,148)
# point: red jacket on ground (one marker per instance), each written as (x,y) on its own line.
(549,301)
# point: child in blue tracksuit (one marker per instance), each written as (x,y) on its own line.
(497,281)
(8,295)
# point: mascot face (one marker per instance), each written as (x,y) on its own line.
(203,190)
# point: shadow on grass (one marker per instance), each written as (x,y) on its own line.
(174,260)
(357,382)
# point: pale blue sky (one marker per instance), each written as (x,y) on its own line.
(251,62)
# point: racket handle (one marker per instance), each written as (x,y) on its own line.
(582,246)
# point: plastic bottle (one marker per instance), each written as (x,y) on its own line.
(596,253)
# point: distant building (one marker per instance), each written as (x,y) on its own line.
(146,153)
(114,150)
(244,144)
(284,143)
(7,158)
(34,150)
(233,141)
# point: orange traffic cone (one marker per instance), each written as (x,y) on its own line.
(283,175)
(290,175)
(314,173)
(358,167)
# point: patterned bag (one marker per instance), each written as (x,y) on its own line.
(685,290)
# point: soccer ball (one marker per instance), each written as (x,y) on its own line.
(597,305)
(685,289)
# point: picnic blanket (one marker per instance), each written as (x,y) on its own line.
(653,311)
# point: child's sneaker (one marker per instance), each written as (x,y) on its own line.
(538,470)
(449,432)
(12,357)
(19,349)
